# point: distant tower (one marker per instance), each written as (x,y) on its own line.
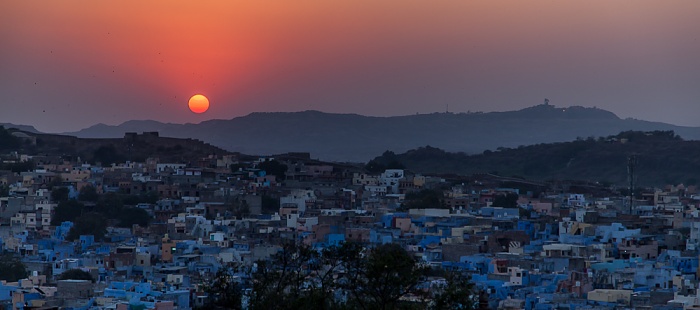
(546,101)
(631,166)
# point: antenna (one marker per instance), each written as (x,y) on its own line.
(631,166)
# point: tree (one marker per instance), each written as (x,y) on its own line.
(91,223)
(509,200)
(54,183)
(76,274)
(134,215)
(60,194)
(375,167)
(67,211)
(110,204)
(350,276)
(279,282)
(458,293)
(88,193)
(427,198)
(270,204)
(383,278)
(18,166)
(132,200)
(274,167)
(224,292)
(11,268)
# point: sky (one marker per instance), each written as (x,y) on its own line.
(66,65)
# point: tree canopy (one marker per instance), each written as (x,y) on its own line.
(60,194)
(424,199)
(508,200)
(348,276)
(88,193)
(274,167)
(76,274)
(11,268)
(91,223)
(68,210)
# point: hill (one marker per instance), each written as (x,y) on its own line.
(130,147)
(352,137)
(662,158)
(25,128)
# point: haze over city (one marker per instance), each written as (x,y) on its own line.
(66,65)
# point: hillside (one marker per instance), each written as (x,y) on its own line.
(662,158)
(131,147)
(352,137)
(25,128)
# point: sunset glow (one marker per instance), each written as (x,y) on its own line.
(72,58)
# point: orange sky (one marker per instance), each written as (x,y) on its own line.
(111,61)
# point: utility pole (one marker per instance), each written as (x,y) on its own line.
(631,166)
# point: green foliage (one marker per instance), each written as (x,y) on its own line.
(114,206)
(18,166)
(110,204)
(133,215)
(375,167)
(224,292)
(60,194)
(383,278)
(11,268)
(76,274)
(4,190)
(663,158)
(299,277)
(424,199)
(270,204)
(274,167)
(68,210)
(237,167)
(457,293)
(279,283)
(132,200)
(55,183)
(508,200)
(91,223)
(88,193)
(388,160)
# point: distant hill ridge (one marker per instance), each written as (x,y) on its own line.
(353,137)
(662,158)
(135,147)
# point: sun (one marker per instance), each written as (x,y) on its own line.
(198,104)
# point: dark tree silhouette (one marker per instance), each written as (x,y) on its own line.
(60,194)
(88,193)
(76,274)
(91,223)
(11,268)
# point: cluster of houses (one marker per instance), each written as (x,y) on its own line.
(556,247)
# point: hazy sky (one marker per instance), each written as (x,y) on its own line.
(66,65)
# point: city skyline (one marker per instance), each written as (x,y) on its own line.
(69,65)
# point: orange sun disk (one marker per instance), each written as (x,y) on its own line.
(199,103)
